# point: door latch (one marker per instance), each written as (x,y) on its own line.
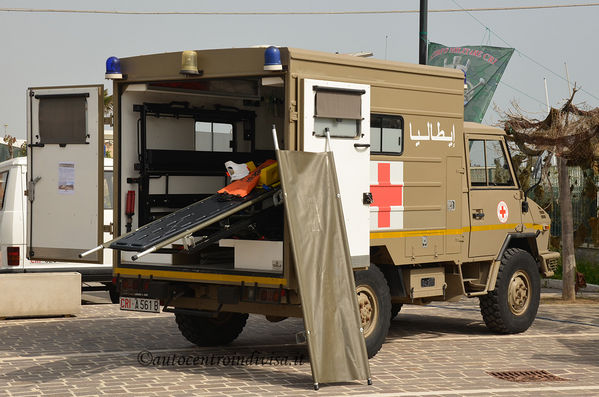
(31,188)
(478,215)
(367,198)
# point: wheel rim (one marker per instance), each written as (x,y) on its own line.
(369,309)
(519,293)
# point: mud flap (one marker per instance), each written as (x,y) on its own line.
(322,261)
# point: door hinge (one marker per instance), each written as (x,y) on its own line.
(108,228)
(292,115)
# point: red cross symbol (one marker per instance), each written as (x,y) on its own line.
(502,211)
(385,194)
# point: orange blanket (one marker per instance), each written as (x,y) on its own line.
(244,186)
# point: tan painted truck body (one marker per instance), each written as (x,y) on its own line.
(430,202)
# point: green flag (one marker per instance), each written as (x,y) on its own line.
(483,67)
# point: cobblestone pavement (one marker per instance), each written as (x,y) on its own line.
(438,350)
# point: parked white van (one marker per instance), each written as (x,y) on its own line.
(13,229)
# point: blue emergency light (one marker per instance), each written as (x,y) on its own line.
(113,68)
(272,59)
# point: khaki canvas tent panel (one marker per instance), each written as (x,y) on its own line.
(323,267)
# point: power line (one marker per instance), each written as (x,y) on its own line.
(274,13)
(518,51)
(522,92)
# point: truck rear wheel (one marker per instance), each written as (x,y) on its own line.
(374,301)
(207,331)
(512,306)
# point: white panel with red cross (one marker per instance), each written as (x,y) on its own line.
(502,212)
(387,188)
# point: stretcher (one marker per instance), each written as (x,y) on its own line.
(185,222)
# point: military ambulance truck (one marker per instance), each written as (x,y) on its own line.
(432,206)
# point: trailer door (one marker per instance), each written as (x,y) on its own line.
(64,172)
(344,110)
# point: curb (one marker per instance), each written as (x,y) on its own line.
(557,284)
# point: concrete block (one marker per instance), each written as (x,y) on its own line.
(40,294)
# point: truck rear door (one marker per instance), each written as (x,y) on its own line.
(344,109)
(64,172)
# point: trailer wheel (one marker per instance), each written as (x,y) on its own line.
(512,306)
(374,301)
(395,309)
(206,331)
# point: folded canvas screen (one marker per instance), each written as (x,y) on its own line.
(323,266)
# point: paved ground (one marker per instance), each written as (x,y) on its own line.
(438,350)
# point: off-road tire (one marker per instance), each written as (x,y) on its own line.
(395,309)
(207,331)
(512,306)
(374,301)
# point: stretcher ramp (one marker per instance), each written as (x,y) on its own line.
(186,220)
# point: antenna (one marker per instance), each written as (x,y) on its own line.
(547,95)
(386,38)
(568,78)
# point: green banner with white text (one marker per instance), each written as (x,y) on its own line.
(483,67)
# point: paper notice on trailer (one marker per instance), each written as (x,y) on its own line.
(66,178)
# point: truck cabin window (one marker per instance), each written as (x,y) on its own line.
(3,180)
(339,110)
(213,137)
(488,164)
(386,134)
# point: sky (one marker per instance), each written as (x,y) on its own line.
(46,49)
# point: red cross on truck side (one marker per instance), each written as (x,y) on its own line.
(502,211)
(385,195)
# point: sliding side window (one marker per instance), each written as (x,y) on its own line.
(213,137)
(386,134)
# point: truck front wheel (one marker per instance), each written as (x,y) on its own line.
(512,306)
(208,331)
(374,301)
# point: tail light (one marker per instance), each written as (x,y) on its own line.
(130,208)
(13,254)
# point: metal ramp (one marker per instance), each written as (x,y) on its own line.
(184,222)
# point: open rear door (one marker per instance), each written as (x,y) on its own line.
(344,109)
(64,172)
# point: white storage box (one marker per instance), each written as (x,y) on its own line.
(256,255)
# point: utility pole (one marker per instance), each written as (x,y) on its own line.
(423,36)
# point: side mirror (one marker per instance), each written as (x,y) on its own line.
(536,170)
(536,176)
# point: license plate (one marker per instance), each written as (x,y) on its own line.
(140,304)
